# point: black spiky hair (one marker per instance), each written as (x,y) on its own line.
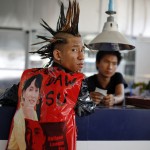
(66,24)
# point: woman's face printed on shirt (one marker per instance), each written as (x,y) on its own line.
(31,95)
(107,66)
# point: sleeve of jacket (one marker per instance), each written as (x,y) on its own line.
(85,105)
(10,96)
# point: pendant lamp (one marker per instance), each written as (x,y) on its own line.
(110,39)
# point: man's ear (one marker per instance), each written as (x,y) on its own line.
(56,54)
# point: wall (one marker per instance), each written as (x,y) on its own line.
(142,63)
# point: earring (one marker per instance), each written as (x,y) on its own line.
(59,60)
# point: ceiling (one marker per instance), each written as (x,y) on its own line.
(133,16)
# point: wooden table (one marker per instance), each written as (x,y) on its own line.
(138,101)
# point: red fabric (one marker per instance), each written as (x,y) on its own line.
(56,128)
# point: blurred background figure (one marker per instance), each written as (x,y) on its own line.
(107,79)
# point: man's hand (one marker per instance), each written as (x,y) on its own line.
(96,97)
(109,100)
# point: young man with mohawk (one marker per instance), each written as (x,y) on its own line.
(63,92)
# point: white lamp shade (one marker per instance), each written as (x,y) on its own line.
(110,38)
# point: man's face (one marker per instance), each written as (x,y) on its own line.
(107,65)
(72,54)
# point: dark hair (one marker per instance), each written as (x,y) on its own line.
(38,82)
(67,24)
(101,54)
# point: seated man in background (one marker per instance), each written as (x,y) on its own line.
(107,86)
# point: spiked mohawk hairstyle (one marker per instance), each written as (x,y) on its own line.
(66,24)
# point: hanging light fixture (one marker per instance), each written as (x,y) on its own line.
(110,38)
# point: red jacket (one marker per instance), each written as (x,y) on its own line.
(61,95)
